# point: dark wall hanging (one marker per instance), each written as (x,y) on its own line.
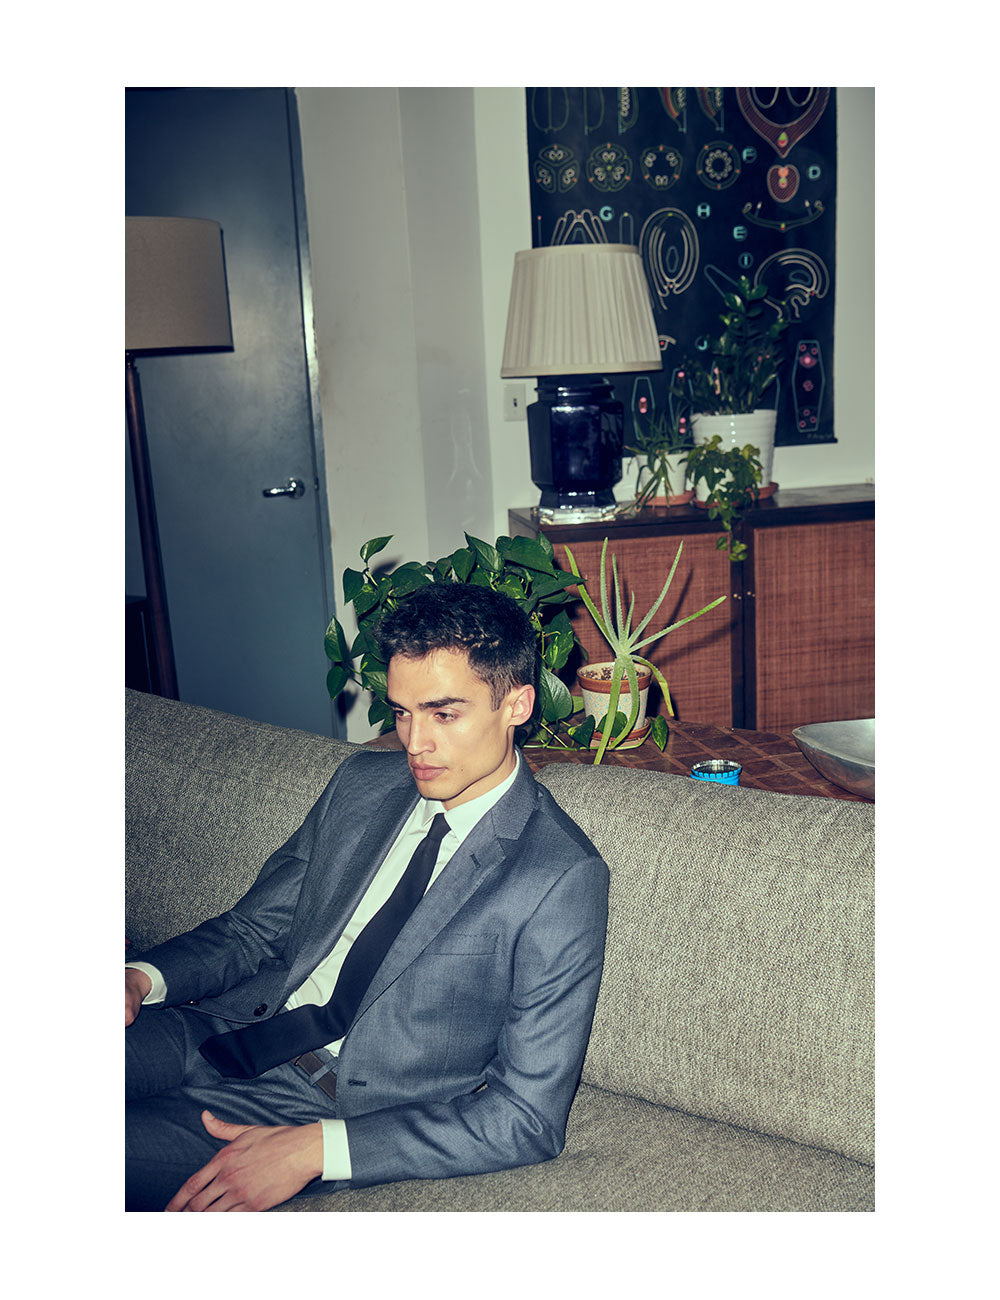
(710,183)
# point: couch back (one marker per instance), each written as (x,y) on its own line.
(208,797)
(738,974)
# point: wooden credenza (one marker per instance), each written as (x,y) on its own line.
(795,641)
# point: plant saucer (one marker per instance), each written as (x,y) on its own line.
(632,741)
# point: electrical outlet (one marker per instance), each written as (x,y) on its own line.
(514,401)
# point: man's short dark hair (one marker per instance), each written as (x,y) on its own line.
(490,627)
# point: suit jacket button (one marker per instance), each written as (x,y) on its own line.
(259,1011)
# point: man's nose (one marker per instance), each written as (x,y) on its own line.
(419,740)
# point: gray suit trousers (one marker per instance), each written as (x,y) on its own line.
(167,1086)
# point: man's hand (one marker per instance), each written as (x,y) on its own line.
(260,1167)
(137,985)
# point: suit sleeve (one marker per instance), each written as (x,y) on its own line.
(222,952)
(519,1118)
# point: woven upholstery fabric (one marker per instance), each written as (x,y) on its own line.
(208,797)
(627,1155)
(738,977)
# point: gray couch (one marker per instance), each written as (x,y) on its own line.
(730,1063)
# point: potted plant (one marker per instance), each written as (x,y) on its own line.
(725,390)
(661,474)
(524,568)
(726,481)
(621,674)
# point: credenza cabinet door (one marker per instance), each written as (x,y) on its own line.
(811,619)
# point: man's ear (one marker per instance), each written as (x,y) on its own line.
(521,701)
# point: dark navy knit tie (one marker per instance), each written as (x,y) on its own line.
(245,1053)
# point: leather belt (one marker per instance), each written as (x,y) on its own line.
(319,1072)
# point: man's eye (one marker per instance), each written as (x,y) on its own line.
(445,717)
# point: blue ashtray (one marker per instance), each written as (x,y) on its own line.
(723,771)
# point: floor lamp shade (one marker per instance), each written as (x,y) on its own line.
(175,301)
(577,313)
(175,285)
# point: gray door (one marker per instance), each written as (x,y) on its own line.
(248,578)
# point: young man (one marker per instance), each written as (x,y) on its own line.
(407,989)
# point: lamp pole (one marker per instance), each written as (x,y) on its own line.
(161,647)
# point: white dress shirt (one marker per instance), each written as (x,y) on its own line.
(319,986)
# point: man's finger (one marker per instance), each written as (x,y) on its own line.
(190,1189)
(221,1128)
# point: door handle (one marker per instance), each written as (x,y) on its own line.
(293,488)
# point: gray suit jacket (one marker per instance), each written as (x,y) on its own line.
(492,981)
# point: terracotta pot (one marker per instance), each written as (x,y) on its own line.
(594,681)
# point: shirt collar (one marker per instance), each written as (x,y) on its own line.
(462,819)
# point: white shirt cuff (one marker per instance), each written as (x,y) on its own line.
(336,1152)
(159,990)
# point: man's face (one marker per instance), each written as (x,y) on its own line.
(458,745)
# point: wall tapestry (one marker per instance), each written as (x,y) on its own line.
(711,183)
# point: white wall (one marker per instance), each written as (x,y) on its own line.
(417,200)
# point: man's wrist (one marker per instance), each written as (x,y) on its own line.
(157,990)
(139,980)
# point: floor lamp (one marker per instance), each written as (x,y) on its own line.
(175,302)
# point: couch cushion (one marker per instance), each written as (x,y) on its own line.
(623,1154)
(208,797)
(738,979)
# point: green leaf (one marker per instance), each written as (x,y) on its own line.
(659,732)
(408,577)
(365,598)
(364,644)
(463,562)
(335,643)
(512,587)
(489,556)
(336,679)
(558,649)
(556,702)
(374,680)
(374,546)
(379,714)
(545,588)
(353,582)
(530,553)
(583,733)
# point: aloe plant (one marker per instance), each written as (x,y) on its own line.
(615,625)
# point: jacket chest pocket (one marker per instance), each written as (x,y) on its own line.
(462,944)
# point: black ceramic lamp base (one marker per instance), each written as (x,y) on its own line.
(576,439)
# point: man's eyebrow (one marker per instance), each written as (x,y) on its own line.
(429,705)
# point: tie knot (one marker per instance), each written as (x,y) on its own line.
(439,828)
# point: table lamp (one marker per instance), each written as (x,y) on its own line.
(578,312)
(175,301)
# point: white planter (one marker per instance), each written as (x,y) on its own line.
(756,428)
(596,697)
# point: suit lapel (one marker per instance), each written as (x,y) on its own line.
(382,819)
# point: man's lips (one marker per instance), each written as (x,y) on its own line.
(423,772)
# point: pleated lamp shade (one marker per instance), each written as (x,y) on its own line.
(578,309)
(175,285)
